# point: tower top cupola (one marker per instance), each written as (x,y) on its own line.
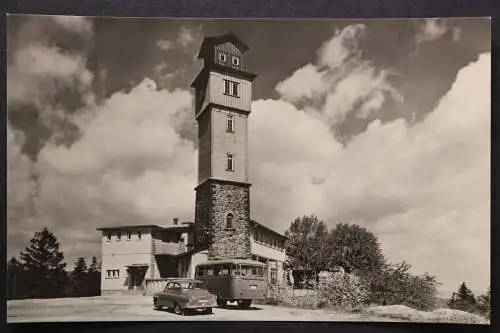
(224,54)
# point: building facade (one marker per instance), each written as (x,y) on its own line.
(223,227)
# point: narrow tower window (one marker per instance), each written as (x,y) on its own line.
(229,221)
(222,57)
(231,88)
(230,164)
(230,123)
(236,61)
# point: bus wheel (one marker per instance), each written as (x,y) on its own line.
(244,303)
(221,302)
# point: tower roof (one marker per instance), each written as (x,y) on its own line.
(210,42)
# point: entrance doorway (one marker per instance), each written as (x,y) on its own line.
(135,275)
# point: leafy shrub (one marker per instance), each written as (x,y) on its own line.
(395,285)
(342,289)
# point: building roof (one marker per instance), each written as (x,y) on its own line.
(172,227)
(260,225)
(210,42)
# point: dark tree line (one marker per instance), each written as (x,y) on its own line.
(41,272)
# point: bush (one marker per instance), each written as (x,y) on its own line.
(343,289)
(395,285)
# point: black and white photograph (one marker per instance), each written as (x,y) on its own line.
(167,169)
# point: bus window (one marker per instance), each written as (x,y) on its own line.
(252,270)
(198,271)
(235,270)
(209,270)
(216,270)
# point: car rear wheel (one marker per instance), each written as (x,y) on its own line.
(208,311)
(221,302)
(244,303)
(178,310)
(156,304)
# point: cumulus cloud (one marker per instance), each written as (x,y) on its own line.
(185,39)
(341,82)
(47,78)
(39,71)
(77,24)
(423,189)
(434,29)
(130,166)
(165,44)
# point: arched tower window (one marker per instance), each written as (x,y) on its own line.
(229,220)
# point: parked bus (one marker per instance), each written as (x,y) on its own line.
(231,280)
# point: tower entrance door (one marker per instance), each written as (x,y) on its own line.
(135,276)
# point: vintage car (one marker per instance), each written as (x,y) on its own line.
(181,295)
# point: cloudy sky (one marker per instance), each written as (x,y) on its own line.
(384,123)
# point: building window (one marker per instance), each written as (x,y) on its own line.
(230,123)
(236,61)
(119,236)
(274,276)
(108,236)
(222,57)
(230,162)
(139,235)
(229,221)
(112,274)
(231,88)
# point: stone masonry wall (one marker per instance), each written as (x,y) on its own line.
(214,200)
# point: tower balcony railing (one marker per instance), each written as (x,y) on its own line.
(170,248)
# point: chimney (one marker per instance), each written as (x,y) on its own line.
(176,220)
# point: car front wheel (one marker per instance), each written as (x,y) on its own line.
(178,310)
(209,311)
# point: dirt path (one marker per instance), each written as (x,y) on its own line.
(137,307)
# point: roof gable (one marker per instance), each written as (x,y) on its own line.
(210,42)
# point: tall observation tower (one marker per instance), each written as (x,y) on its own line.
(223,98)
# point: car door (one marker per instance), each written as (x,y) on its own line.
(163,296)
(175,293)
(172,294)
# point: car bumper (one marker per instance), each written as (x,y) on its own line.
(200,305)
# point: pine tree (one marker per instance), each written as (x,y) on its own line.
(79,278)
(463,299)
(94,278)
(44,266)
(14,279)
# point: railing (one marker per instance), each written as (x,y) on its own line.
(170,248)
(152,286)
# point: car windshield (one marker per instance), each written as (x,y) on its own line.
(193,285)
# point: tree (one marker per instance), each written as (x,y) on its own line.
(355,249)
(44,266)
(484,304)
(394,284)
(305,244)
(463,299)
(94,278)
(79,278)
(14,279)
